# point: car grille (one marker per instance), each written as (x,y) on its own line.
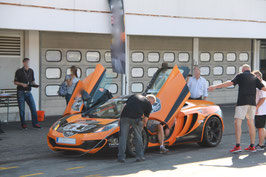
(86,145)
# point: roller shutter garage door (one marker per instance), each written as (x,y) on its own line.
(147,53)
(59,51)
(220,60)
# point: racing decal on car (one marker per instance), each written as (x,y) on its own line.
(74,128)
(156,106)
(77,104)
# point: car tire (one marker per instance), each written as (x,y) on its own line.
(130,142)
(213,132)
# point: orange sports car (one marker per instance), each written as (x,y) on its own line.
(91,119)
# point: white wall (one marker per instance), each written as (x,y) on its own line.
(32,51)
(197,18)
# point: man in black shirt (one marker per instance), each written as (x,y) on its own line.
(136,107)
(24,79)
(246,104)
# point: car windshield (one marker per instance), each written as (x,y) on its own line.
(161,79)
(109,110)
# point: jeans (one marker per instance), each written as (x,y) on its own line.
(137,126)
(67,97)
(22,97)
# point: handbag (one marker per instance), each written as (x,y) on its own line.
(62,89)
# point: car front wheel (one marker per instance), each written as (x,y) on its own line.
(131,149)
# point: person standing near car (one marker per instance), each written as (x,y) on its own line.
(71,81)
(136,107)
(246,104)
(24,79)
(260,117)
(197,85)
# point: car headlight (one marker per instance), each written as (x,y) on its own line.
(107,127)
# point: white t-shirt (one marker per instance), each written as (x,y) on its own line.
(261,94)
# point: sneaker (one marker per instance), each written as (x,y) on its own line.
(236,149)
(259,148)
(250,149)
(163,150)
(141,159)
(121,160)
(24,126)
(36,126)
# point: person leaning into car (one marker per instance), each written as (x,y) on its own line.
(197,85)
(246,104)
(24,78)
(136,107)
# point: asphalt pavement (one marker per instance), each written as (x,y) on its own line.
(25,153)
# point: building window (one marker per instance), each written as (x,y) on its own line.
(89,71)
(154,57)
(73,56)
(183,57)
(93,56)
(53,73)
(215,82)
(110,73)
(240,69)
(78,72)
(205,70)
(152,71)
(205,57)
(137,87)
(51,90)
(208,83)
(53,55)
(113,88)
(231,57)
(218,57)
(137,72)
(169,57)
(107,57)
(230,70)
(218,70)
(137,57)
(243,57)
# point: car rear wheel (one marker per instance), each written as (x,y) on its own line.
(131,149)
(213,132)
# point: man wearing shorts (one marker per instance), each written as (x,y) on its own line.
(156,126)
(260,117)
(246,104)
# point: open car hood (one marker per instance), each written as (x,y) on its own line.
(171,97)
(90,84)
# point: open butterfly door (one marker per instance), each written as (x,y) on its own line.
(172,96)
(89,84)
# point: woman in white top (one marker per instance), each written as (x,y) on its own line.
(71,81)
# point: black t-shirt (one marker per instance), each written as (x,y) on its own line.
(247,83)
(137,106)
(24,76)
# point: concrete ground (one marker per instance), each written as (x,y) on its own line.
(25,153)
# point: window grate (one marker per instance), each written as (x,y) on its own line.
(10,46)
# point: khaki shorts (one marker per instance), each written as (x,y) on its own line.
(245,111)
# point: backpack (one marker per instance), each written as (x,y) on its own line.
(62,89)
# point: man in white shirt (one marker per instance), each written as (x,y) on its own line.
(197,85)
(260,117)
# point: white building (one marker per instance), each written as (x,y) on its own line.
(218,35)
